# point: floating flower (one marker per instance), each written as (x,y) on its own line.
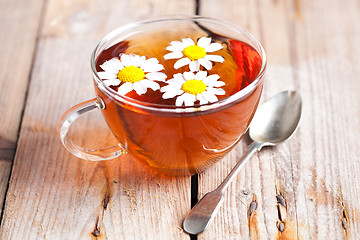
(194,54)
(133,72)
(190,87)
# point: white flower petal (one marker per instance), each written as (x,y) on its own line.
(139,88)
(194,66)
(152,61)
(189,99)
(113,65)
(107,75)
(201,75)
(218,84)
(172,93)
(112,82)
(177,46)
(173,55)
(216,91)
(201,99)
(209,96)
(182,62)
(214,58)
(125,60)
(175,82)
(151,67)
(179,77)
(134,60)
(146,66)
(180,100)
(204,42)
(150,84)
(188,42)
(142,60)
(157,68)
(125,88)
(212,77)
(189,75)
(171,87)
(206,63)
(168,88)
(156,76)
(213,47)
(214,83)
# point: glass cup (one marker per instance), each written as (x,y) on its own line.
(173,140)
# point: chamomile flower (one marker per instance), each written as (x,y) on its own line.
(194,54)
(191,87)
(132,72)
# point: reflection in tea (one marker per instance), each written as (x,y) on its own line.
(184,67)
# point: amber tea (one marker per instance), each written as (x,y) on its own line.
(184,142)
(179,93)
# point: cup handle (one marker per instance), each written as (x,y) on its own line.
(88,154)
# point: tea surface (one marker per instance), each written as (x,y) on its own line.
(236,64)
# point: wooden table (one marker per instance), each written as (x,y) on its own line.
(306,188)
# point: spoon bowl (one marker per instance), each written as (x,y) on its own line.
(277,119)
(274,122)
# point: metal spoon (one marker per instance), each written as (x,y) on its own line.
(274,122)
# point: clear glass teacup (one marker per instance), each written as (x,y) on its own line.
(178,93)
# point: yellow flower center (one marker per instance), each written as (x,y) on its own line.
(131,74)
(194,52)
(194,86)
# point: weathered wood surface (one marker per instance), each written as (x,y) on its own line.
(19,24)
(53,195)
(306,188)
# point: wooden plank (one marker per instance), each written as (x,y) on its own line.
(328,175)
(305,188)
(18,42)
(53,195)
(5,169)
(18,38)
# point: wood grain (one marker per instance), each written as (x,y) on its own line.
(53,195)
(305,188)
(18,44)
(18,40)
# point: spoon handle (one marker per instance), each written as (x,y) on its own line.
(253,147)
(201,215)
